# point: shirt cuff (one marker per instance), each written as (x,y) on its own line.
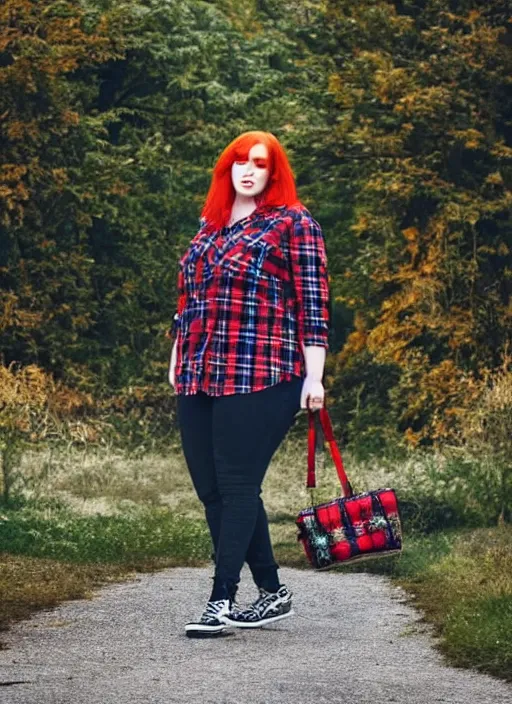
(318,338)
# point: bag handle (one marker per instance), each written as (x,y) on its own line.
(326,427)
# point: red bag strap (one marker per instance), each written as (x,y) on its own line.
(326,426)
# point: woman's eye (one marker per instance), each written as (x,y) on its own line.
(258,163)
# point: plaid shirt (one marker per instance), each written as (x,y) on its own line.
(247,297)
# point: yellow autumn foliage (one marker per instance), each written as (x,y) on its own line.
(34,405)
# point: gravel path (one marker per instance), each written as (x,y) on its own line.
(353,639)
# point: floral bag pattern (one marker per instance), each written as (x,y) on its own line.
(350,527)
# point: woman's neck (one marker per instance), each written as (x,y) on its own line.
(242,207)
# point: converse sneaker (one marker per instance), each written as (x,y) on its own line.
(269,607)
(209,624)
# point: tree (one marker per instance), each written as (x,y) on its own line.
(423,99)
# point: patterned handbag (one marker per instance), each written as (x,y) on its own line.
(351,527)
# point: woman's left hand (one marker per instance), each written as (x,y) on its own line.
(314,390)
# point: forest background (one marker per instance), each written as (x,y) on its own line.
(396,116)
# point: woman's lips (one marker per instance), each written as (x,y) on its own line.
(248,183)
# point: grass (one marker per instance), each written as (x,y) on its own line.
(88,518)
(28,584)
(467,595)
(50,553)
(132,539)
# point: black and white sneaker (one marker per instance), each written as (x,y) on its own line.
(269,607)
(209,624)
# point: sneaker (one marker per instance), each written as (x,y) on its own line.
(269,607)
(209,624)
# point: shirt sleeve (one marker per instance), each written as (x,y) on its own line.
(308,260)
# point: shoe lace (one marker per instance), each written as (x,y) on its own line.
(263,599)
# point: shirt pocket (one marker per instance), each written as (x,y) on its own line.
(257,264)
(252,255)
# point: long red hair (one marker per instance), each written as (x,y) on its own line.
(280,188)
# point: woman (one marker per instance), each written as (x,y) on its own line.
(251,337)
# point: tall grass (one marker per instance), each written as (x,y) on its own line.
(436,490)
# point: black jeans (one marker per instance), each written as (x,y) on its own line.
(228,442)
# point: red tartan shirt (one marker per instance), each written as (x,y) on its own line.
(248,296)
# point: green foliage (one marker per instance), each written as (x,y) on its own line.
(422,93)
(54,531)
(467,595)
(451,490)
(89,285)
(395,120)
(481,627)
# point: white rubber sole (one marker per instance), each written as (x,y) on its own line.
(256,624)
(196,630)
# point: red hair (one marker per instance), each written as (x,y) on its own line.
(279,190)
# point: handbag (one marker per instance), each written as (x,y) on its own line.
(349,528)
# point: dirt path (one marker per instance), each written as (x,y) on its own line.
(352,640)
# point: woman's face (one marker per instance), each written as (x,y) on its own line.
(250,177)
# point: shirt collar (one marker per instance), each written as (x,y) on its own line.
(259,210)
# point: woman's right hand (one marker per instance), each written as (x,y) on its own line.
(172,365)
